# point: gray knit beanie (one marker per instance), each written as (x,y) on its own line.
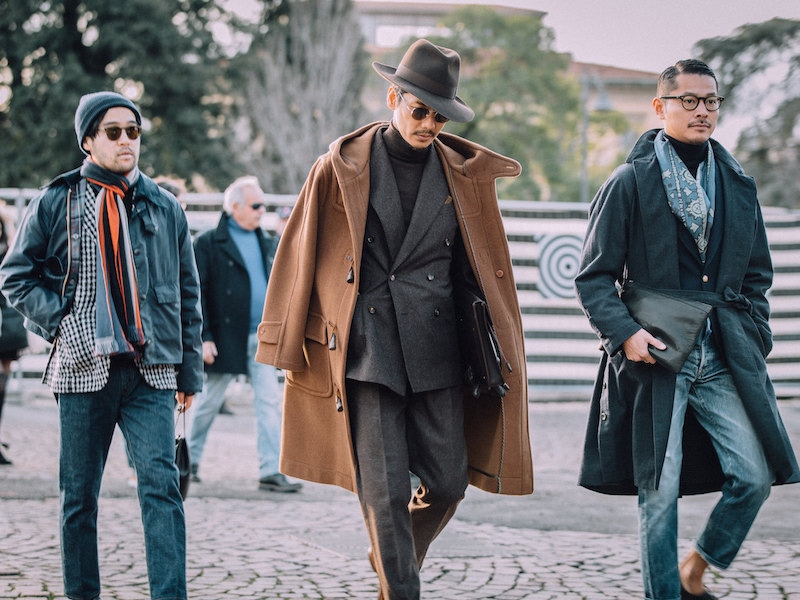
(95,104)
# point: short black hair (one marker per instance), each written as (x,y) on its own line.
(94,127)
(691,66)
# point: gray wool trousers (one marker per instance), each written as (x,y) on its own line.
(393,435)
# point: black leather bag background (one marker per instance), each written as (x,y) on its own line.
(674,320)
(182,460)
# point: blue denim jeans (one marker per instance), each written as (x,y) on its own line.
(706,385)
(145,416)
(267,399)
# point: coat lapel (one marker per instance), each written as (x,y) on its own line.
(226,243)
(433,195)
(662,256)
(384,196)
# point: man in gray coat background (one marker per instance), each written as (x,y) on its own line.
(681,214)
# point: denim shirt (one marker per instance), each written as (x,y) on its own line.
(39,274)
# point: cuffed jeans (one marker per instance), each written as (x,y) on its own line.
(267,399)
(392,435)
(145,416)
(706,385)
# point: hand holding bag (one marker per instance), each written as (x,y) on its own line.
(182,455)
(674,320)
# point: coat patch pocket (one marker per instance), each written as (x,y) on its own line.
(315,379)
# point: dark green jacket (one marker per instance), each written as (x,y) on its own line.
(39,274)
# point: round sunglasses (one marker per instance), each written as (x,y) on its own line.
(418,113)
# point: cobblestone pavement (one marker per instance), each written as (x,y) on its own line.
(562,542)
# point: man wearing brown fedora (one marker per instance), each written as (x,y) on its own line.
(394,218)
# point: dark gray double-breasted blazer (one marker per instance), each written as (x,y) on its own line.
(404,332)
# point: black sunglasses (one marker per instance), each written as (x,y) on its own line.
(113,132)
(418,113)
(257,205)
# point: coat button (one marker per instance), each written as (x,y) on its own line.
(705,278)
(499,273)
(430,277)
(392,277)
(370,239)
(447,242)
(372,310)
(603,416)
(435,312)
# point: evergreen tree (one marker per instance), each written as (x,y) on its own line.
(159,53)
(758,68)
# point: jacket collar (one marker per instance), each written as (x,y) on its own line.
(350,155)
(644,149)
(738,194)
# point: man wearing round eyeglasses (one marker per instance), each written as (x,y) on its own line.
(681,215)
(234,262)
(103,268)
(361,315)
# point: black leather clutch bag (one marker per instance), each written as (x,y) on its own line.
(674,320)
(484,359)
(182,460)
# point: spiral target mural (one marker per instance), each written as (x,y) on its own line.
(559,259)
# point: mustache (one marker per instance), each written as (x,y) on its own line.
(705,122)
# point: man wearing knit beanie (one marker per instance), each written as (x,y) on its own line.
(92,106)
(126,335)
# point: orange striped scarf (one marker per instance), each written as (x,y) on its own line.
(119,323)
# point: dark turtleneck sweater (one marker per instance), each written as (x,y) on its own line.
(408,163)
(692,155)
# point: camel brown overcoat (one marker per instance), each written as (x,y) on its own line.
(312,295)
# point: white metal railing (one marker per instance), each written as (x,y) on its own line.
(545,240)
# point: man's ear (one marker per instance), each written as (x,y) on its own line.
(392,98)
(658,107)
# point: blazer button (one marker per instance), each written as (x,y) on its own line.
(430,277)
(705,278)
(447,242)
(370,239)
(392,277)
(435,312)
(372,310)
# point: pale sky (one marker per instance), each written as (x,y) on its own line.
(645,34)
(648,35)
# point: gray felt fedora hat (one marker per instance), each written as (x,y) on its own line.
(430,72)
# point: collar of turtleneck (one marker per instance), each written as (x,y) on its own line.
(399,149)
(691,154)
